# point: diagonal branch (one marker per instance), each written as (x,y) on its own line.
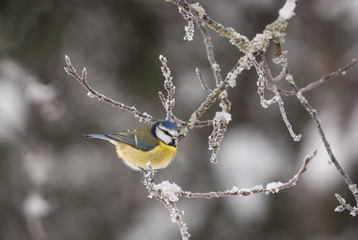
(70,70)
(323,79)
(340,71)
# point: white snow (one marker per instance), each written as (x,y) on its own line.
(339,208)
(222,117)
(234,189)
(168,190)
(90,95)
(287,11)
(199,9)
(274,187)
(189,31)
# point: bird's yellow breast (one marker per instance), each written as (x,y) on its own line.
(160,156)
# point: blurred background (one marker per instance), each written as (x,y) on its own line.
(55,184)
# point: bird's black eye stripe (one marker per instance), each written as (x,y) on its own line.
(166,132)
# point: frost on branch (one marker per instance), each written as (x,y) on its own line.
(353,211)
(169,101)
(168,193)
(273,187)
(189,31)
(220,126)
(199,9)
(267,81)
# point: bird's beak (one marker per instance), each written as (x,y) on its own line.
(176,141)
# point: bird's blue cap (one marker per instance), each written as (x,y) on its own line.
(167,124)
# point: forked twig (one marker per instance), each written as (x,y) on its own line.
(169,101)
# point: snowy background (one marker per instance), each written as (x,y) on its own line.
(80,190)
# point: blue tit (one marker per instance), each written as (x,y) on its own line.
(156,143)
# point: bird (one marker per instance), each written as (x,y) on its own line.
(155,144)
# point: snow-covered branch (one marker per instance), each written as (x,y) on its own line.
(166,193)
(273,187)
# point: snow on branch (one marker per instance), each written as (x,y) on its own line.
(273,187)
(220,123)
(287,11)
(169,193)
(166,193)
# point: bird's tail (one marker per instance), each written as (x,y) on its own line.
(100,136)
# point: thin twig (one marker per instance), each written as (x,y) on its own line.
(215,67)
(323,79)
(345,206)
(265,75)
(261,83)
(340,71)
(272,84)
(70,70)
(169,101)
(203,84)
(231,76)
(333,159)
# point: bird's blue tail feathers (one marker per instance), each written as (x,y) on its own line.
(100,136)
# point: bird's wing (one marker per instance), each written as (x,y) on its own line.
(140,138)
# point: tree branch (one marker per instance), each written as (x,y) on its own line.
(70,70)
(273,187)
(340,71)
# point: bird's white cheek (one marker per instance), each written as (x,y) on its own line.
(164,137)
